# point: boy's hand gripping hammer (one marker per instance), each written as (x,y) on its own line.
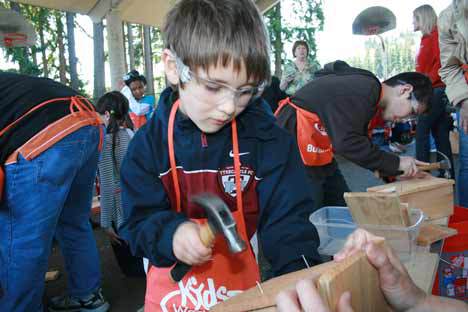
(220,220)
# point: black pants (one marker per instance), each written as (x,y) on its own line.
(328,189)
(437,122)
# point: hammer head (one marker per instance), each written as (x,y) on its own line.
(220,220)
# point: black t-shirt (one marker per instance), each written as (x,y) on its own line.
(19,94)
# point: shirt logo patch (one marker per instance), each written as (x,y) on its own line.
(231,154)
(227,179)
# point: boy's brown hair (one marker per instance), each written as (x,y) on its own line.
(203,33)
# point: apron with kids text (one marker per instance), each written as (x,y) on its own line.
(214,281)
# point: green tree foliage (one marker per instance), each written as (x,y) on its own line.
(49,26)
(400,55)
(303,21)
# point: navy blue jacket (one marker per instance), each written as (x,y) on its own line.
(276,196)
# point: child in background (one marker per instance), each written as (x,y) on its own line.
(141,105)
(214,134)
(114,107)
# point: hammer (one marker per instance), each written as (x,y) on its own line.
(220,220)
(443,164)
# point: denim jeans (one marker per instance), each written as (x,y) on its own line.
(462,179)
(49,196)
(436,122)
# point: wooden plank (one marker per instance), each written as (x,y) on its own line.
(375,208)
(412,185)
(404,209)
(354,274)
(434,196)
(357,275)
(255,299)
(422,269)
(430,233)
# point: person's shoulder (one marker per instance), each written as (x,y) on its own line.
(446,19)
(261,123)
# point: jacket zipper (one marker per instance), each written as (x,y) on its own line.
(204,140)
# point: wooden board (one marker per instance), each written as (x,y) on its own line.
(375,208)
(434,196)
(256,299)
(430,233)
(358,276)
(412,185)
(354,274)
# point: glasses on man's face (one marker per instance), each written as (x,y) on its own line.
(414,109)
(221,92)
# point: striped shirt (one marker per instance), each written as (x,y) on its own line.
(109,177)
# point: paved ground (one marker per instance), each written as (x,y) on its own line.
(127,294)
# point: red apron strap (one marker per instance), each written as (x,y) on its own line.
(170,140)
(237,165)
(282,104)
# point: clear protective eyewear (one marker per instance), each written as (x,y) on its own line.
(219,91)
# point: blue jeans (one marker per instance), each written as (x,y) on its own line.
(462,179)
(437,123)
(49,195)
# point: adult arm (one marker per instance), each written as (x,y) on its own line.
(451,71)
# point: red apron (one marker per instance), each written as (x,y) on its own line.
(215,281)
(314,144)
(138,120)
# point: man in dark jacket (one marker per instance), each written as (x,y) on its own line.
(334,113)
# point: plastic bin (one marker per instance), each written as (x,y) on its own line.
(334,224)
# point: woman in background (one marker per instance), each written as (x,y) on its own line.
(296,74)
(438,122)
(115,109)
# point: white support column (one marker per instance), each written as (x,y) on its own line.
(116,49)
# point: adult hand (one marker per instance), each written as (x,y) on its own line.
(305,297)
(398,288)
(464,116)
(409,167)
(187,245)
(114,237)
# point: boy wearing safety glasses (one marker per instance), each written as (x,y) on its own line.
(335,114)
(212,133)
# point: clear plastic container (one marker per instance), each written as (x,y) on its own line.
(334,224)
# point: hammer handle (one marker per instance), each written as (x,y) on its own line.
(206,235)
(431,166)
(180,269)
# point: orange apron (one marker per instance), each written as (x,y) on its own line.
(138,120)
(215,281)
(314,144)
(79,107)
